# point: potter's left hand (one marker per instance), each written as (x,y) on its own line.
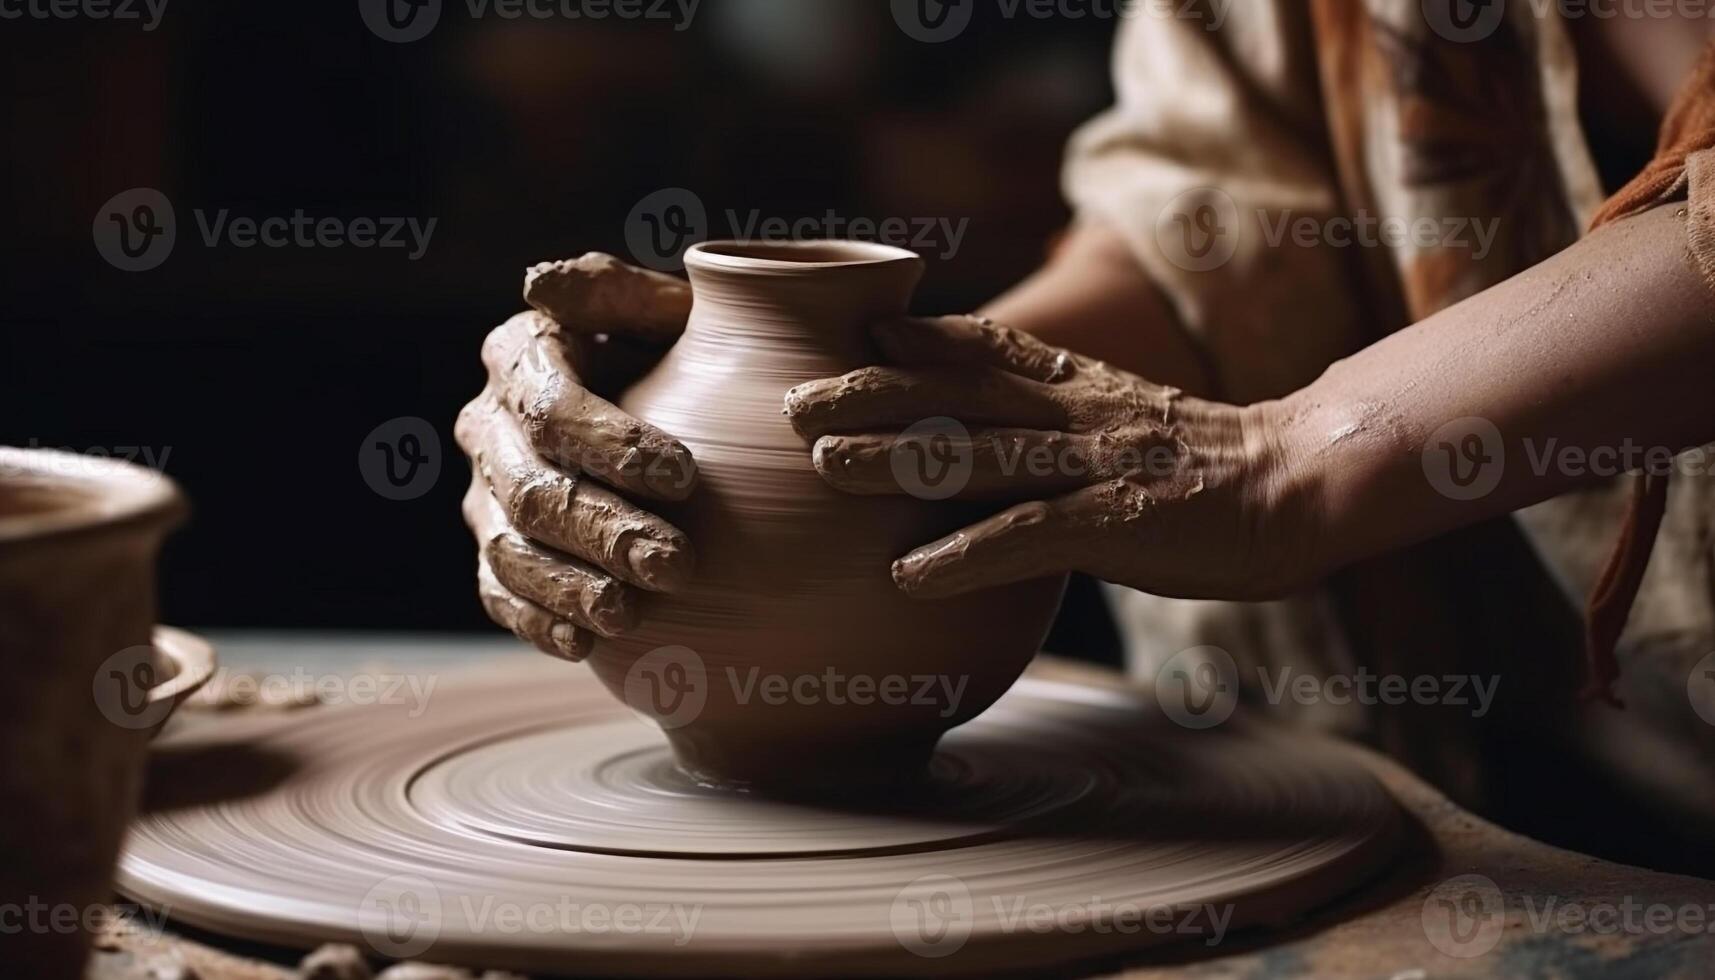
(1130,481)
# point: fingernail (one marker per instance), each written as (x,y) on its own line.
(906,572)
(659,567)
(569,641)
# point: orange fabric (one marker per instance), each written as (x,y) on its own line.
(1689,128)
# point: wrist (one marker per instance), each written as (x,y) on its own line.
(1284,446)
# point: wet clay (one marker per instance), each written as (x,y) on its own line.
(526,788)
(793,578)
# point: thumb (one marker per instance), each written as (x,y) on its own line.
(966,340)
(598,294)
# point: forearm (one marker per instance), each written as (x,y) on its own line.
(1605,350)
(1095,299)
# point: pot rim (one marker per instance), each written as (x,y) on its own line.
(738,255)
(97,495)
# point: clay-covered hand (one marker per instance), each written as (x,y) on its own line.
(1129,481)
(563,550)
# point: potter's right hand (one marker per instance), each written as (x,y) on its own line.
(562,551)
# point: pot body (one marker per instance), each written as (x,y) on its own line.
(793,659)
(78,541)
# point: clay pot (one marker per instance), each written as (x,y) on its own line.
(78,540)
(793,659)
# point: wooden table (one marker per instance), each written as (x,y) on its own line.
(1472,900)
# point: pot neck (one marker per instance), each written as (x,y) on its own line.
(811,297)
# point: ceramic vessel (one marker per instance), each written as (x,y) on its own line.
(793,659)
(78,540)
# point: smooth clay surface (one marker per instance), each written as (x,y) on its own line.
(793,577)
(483,830)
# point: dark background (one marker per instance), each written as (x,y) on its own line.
(257,373)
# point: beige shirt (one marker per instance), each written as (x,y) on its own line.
(1303,180)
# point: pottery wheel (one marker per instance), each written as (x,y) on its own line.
(525,820)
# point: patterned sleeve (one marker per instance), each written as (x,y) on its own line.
(1215,147)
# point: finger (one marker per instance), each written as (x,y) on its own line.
(532,376)
(564,586)
(893,398)
(951,340)
(987,463)
(532,623)
(1023,542)
(597,293)
(571,513)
